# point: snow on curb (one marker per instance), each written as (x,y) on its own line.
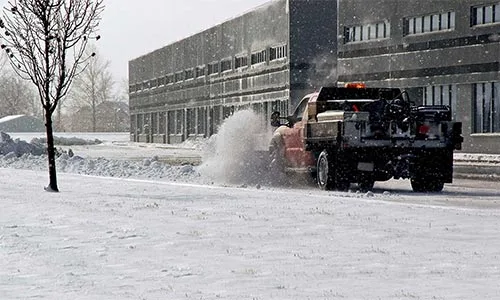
(478,158)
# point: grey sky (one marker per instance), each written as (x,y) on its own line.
(131,28)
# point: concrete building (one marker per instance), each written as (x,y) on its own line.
(443,52)
(265,59)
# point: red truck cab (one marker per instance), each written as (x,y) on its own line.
(288,139)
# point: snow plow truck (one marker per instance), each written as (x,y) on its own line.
(355,134)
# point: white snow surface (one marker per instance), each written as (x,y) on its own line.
(128,225)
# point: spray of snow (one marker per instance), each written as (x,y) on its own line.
(231,155)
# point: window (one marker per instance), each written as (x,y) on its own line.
(366,32)
(486,104)
(179,76)
(226,65)
(161,81)
(486,14)
(258,57)
(241,61)
(188,74)
(169,79)
(162,123)
(179,121)
(153,83)
(278,52)
(191,121)
(213,68)
(201,120)
(301,108)
(441,95)
(430,23)
(154,123)
(200,71)
(281,106)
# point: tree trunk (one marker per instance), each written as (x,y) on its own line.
(51,153)
(58,122)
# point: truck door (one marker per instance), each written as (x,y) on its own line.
(295,153)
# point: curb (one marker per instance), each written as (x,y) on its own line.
(475,170)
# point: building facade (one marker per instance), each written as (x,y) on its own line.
(259,60)
(443,52)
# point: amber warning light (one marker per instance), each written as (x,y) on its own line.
(355,85)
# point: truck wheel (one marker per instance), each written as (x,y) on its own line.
(366,184)
(435,186)
(421,185)
(325,171)
(342,175)
(342,180)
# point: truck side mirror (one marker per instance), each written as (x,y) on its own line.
(275,119)
(291,120)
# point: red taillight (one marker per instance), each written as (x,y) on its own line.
(355,85)
(424,129)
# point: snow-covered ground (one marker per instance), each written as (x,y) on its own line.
(139,227)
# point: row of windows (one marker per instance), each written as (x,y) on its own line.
(258,57)
(199,121)
(430,23)
(485,99)
(368,32)
(486,107)
(278,52)
(484,14)
(213,68)
(442,95)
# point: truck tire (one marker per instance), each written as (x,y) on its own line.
(342,180)
(325,176)
(342,173)
(432,185)
(366,184)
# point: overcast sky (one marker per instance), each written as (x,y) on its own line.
(131,28)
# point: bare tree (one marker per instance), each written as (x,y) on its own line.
(3,61)
(122,90)
(16,96)
(45,41)
(94,85)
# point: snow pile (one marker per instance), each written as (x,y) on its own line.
(17,148)
(62,141)
(19,154)
(148,168)
(230,156)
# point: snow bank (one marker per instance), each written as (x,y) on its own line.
(17,147)
(148,168)
(19,154)
(63,141)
